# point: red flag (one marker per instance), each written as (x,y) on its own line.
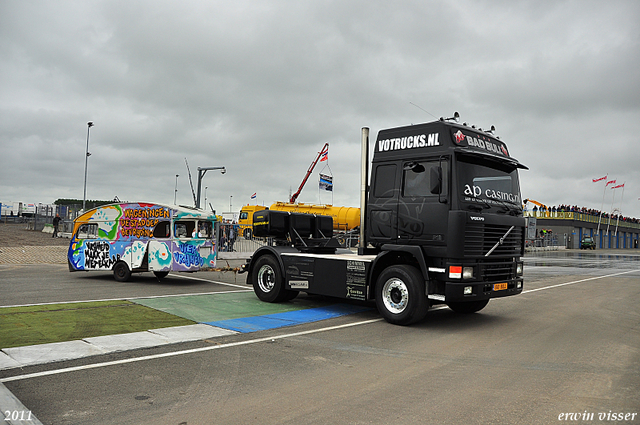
(324,156)
(601,178)
(610,182)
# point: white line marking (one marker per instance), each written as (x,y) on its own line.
(578,281)
(244,289)
(212,281)
(179,353)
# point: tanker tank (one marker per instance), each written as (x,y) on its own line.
(344,218)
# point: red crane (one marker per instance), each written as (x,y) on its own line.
(325,149)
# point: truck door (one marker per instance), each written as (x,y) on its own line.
(383,204)
(423,206)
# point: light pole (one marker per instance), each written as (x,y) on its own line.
(230,198)
(201,172)
(175,192)
(86,160)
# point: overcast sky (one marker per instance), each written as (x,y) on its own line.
(260,86)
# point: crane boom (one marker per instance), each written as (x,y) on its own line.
(325,148)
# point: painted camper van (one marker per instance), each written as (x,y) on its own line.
(138,237)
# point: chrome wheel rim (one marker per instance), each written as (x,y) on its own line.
(395,295)
(266,278)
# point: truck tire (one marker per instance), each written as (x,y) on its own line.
(161,275)
(400,295)
(268,281)
(468,307)
(121,272)
(246,233)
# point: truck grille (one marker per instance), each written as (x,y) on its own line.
(480,238)
(497,271)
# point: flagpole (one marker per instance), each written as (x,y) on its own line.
(611,211)
(602,207)
(619,210)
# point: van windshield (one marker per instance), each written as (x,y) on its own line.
(487,183)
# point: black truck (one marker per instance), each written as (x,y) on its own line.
(441,223)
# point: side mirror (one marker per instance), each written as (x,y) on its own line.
(435,180)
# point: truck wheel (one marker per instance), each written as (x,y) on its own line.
(161,275)
(268,282)
(121,272)
(468,307)
(246,233)
(400,295)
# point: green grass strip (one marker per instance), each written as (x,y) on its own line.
(20,326)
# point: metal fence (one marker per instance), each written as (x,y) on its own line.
(589,218)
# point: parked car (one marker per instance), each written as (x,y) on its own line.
(587,243)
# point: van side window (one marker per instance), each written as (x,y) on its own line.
(184,229)
(204,229)
(385,181)
(88,231)
(162,230)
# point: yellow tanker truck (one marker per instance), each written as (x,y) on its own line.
(344,218)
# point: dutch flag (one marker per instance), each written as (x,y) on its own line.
(254,196)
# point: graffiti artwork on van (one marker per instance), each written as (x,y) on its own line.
(96,256)
(188,255)
(139,223)
(140,235)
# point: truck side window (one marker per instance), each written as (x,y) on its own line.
(88,231)
(416,180)
(385,181)
(162,230)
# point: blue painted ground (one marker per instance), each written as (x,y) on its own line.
(290,318)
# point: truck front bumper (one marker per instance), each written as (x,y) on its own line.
(475,291)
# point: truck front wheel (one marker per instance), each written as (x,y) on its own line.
(468,307)
(400,295)
(268,282)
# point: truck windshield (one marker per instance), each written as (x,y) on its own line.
(487,183)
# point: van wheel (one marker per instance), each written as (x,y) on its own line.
(400,295)
(468,307)
(121,272)
(268,281)
(161,275)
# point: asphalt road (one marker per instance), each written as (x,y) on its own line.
(569,344)
(50,283)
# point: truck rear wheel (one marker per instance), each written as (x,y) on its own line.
(468,307)
(268,282)
(121,272)
(400,295)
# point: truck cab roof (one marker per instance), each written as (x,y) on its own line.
(439,137)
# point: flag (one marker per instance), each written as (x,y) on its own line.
(615,187)
(610,182)
(601,178)
(326,182)
(254,196)
(324,156)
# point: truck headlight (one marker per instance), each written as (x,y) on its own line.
(467,272)
(519,269)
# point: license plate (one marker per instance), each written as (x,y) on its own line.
(499,286)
